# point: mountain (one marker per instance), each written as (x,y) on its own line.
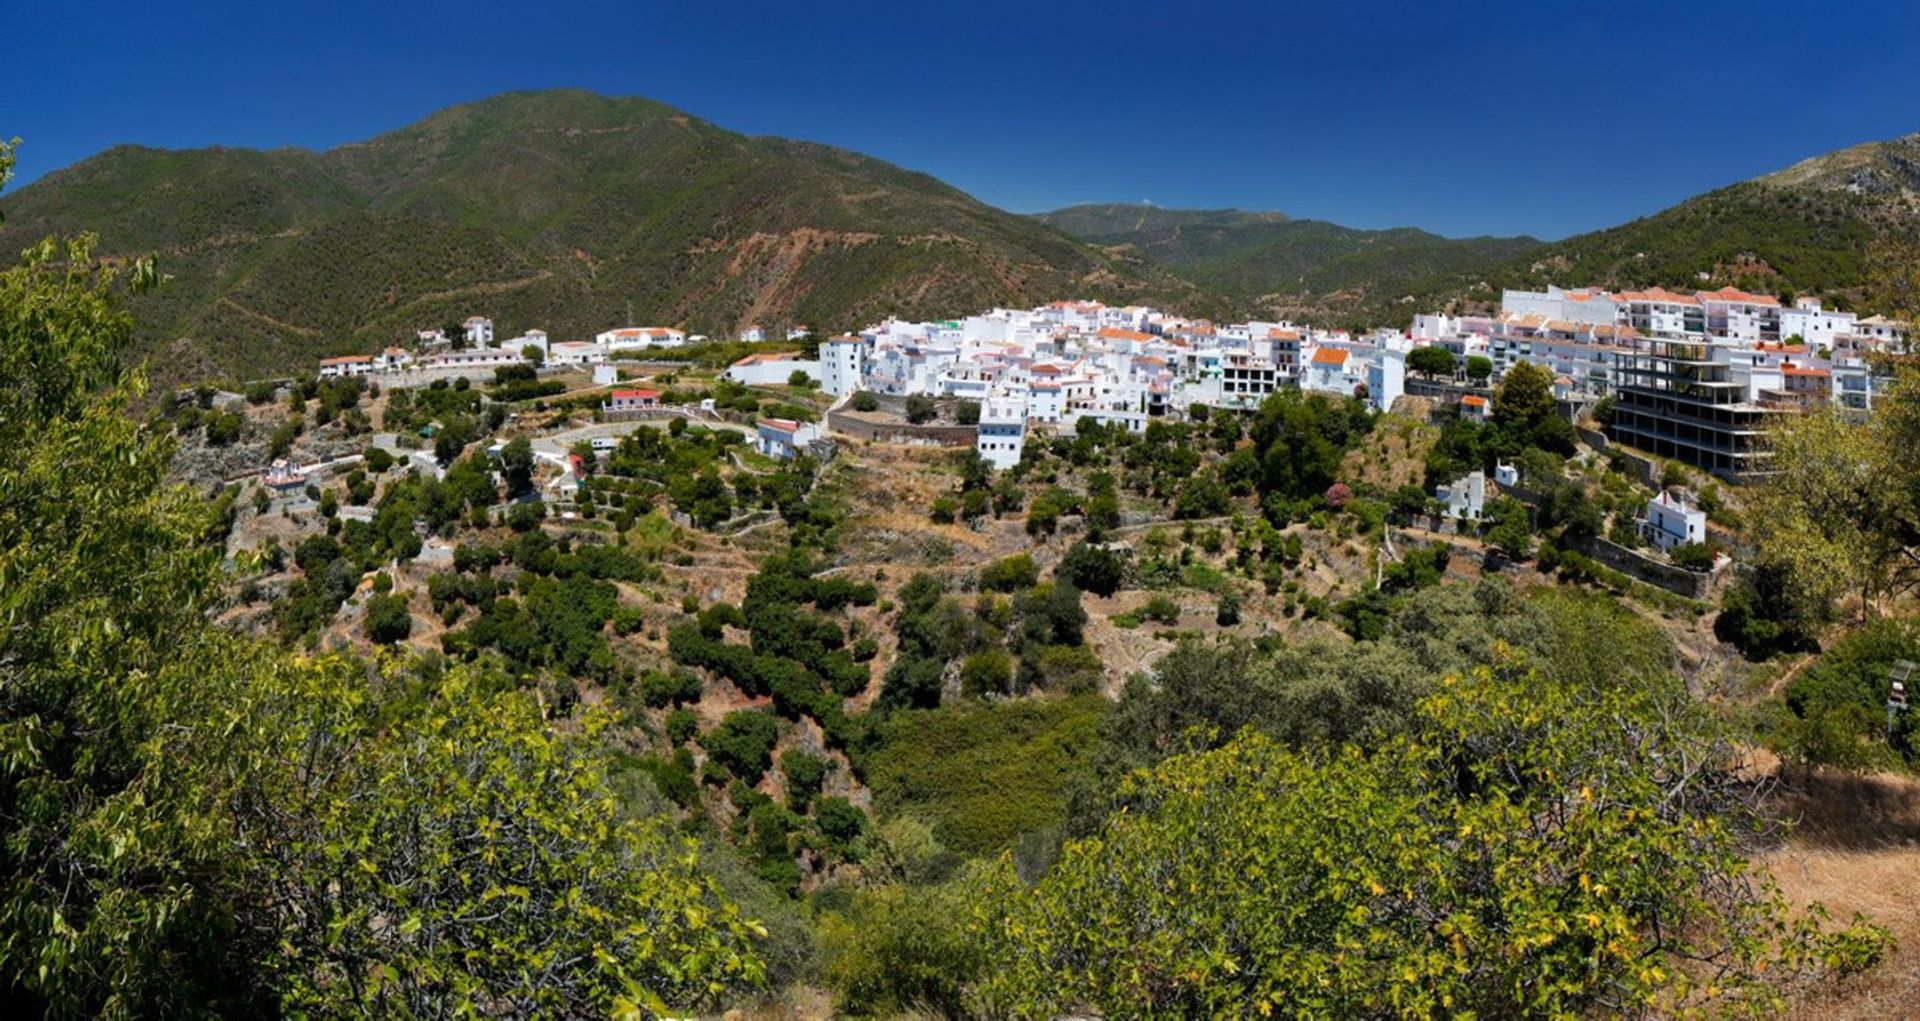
(1829,225)
(1267,261)
(563,210)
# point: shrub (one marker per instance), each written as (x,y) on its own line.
(1161,608)
(743,743)
(1010,573)
(988,672)
(839,821)
(805,774)
(387,620)
(1093,569)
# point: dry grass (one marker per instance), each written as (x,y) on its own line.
(1856,848)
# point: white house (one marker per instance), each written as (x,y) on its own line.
(771,369)
(345,365)
(1003,431)
(575,352)
(1672,521)
(783,437)
(1328,371)
(531,338)
(1465,497)
(392,359)
(842,365)
(472,364)
(753,335)
(631,400)
(1386,378)
(629,338)
(1814,325)
(479,331)
(1475,408)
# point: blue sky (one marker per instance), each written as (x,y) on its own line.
(1461,118)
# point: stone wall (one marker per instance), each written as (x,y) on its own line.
(1642,567)
(852,425)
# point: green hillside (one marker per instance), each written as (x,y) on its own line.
(1269,262)
(1840,224)
(563,210)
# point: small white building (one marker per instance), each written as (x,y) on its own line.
(575,352)
(1003,431)
(1671,521)
(1465,497)
(783,437)
(345,365)
(771,369)
(753,335)
(531,338)
(1329,371)
(1386,378)
(622,401)
(472,364)
(1476,408)
(842,365)
(479,331)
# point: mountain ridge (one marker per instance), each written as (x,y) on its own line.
(1277,263)
(561,209)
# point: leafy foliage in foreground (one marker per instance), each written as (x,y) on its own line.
(1528,848)
(475,856)
(198,824)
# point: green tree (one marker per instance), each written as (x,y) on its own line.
(920,409)
(1524,398)
(805,772)
(1431,360)
(1094,569)
(967,412)
(1479,369)
(516,466)
(1839,510)
(387,620)
(743,743)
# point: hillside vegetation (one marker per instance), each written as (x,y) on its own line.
(564,210)
(1308,268)
(1834,225)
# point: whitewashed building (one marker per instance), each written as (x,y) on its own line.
(479,331)
(1671,521)
(1003,431)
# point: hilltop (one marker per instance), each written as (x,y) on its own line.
(1833,224)
(564,210)
(1270,262)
